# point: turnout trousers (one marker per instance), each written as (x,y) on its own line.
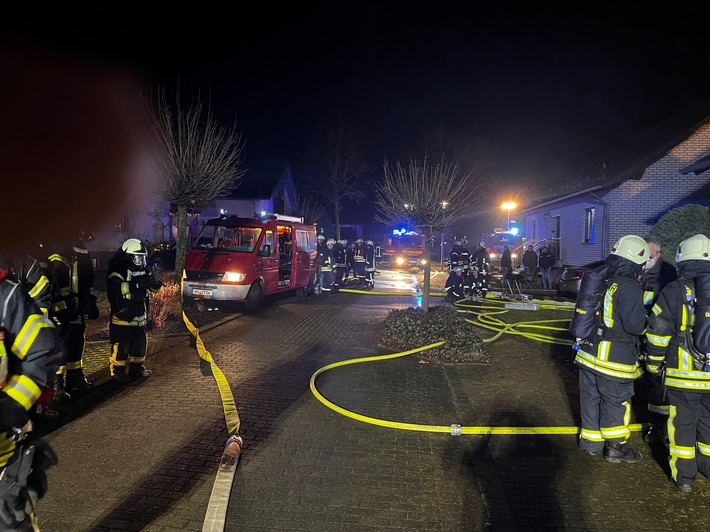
(657,404)
(128,346)
(605,409)
(689,434)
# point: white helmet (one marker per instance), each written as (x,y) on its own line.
(697,247)
(369,242)
(359,241)
(343,242)
(330,242)
(136,250)
(458,269)
(633,248)
(321,237)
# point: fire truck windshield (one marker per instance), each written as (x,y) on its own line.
(414,241)
(241,239)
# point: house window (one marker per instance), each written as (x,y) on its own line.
(589,226)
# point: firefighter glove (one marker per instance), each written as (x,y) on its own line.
(143,282)
(12,414)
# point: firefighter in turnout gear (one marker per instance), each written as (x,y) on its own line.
(454,286)
(464,256)
(657,273)
(678,329)
(83,307)
(370,265)
(359,262)
(128,282)
(30,353)
(321,249)
(455,256)
(327,266)
(341,265)
(482,262)
(608,361)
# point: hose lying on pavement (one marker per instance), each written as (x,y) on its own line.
(216,513)
(453,429)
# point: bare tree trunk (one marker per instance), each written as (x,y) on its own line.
(337,220)
(181,243)
(427,270)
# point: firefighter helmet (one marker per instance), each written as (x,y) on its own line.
(343,242)
(330,242)
(697,247)
(136,250)
(633,248)
(359,241)
(369,242)
(458,269)
(457,241)
(321,237)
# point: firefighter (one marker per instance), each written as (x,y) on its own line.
(370,265)
(482,262)
(657,273)
(473,283)
(81,306)
(676,327)
(350,260)
(608,363)
(454,286)
(327,266)
(340,261)
(359,262)
(62,313)
(464,256)
(455,255)
(128,281)
(30,353)
(319,261)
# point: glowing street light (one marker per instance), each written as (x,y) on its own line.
(508,206)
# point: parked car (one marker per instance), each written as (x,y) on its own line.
(162,257)
(571,276)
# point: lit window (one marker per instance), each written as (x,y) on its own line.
(589,226)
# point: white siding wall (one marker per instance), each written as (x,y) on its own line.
(636,205)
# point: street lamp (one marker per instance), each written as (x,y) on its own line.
(508,206)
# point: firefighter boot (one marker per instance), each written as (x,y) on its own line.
(76,381)
(60,393)
(615,453)
(44,412)
(120,375)
(136,371)
(656,436)
(684,485)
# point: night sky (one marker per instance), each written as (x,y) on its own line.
(548,89)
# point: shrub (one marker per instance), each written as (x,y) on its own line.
(411,328)
(165,303)
(679,224)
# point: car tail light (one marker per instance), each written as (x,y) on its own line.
(577,275)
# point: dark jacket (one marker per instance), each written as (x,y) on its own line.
(547,260)
(454,287)
(654,280)
(127,288)
(613,354)
(506,261)
(530,259)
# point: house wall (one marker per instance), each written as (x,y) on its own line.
(636,205)
(574,251)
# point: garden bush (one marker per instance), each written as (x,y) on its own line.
(165,303)
(411,328)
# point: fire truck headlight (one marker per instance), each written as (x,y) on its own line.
(233,277)
(493,255)
(513,255)
(399,261)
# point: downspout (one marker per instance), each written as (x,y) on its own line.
(606,219)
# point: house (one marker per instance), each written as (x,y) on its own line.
(267,186)
(626,191)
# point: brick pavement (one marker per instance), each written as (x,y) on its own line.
(305,467)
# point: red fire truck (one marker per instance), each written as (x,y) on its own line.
(241,259)
(402,248)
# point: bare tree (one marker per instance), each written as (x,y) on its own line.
(338,169)
(310,209)
(431,197)
(201,162)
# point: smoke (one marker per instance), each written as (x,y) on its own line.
(76,147)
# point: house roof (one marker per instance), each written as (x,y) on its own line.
(629,159)
(260,179)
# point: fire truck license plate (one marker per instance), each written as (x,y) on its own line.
(201,292)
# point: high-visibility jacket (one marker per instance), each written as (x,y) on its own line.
(666,337)
(29,351)
(613,352)
(127,290)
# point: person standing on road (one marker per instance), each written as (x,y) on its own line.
(464,256)
(341,264)
(455,255)
(608,363)
(128,281)
(370,265)
(676,329)
(506,262)
(359,262)
(321,249)
(657,273)
(481,262)
(529,260)
(350,260)
(31,353)
(547,261)
(327,267)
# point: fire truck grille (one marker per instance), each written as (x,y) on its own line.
(193,275)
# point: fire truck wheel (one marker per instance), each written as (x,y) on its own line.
(254,297)
(305,290)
